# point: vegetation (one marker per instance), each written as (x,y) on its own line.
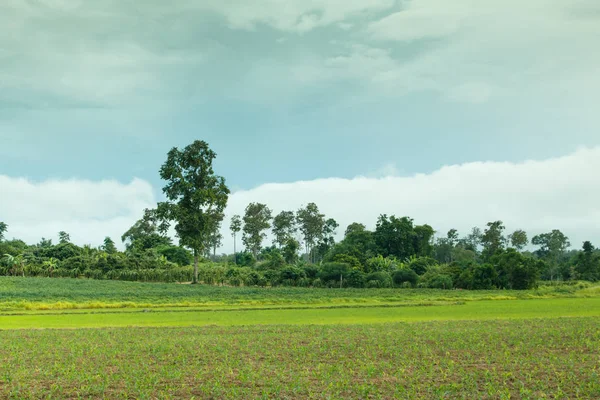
(397,253)
(528,359)
(18,293)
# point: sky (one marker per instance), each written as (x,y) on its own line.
(454,113)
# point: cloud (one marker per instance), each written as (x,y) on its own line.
(89,211)
(538,196)
(293,16)
(532,49)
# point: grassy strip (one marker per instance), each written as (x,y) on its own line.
(480,310)
(230,308)
(73,294)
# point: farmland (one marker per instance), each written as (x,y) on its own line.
(538,358)
(108,339)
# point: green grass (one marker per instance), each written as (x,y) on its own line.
(479,310)
(495,359)
(64,294)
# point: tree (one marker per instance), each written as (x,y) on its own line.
(257,219)
(443,249)
(422,237)
(235,226)
(196,197)
(63,237)
(493,240)
(290,251)
(395,237)
(284,227)
(354,227)
(109,246)
(311,223)
(147,233)
(45,243)
(518,239)
(472,241)
(215,239)
(327,240)
(587,265)
(552,247)
(16,264)
(3,229)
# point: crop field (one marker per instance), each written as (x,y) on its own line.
(62,338)
(528,359)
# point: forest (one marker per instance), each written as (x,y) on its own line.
(296,247)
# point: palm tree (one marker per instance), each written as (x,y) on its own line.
(15,264)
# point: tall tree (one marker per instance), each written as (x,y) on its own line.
(3,229)
(587,265)
(235,226)
(552,247)
(215,240)
(422,240)
(493,239)
(284,227)
(518,239)
(109,246)
(310,222)
(472,241)
(63,237)
(327,240)
(196,196)
(257,219)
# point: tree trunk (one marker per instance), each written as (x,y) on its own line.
(234,251)
(195,280)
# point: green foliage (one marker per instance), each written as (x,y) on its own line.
(196,197)
(290,251)
(284,227)
(403,276)
(421,264)
(311,224)
(380,279)
(493,239)
(256,221)
(3,229)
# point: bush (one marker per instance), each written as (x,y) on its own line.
(403,276)
(383,279)
(333,272)
(421,264)
(433,279)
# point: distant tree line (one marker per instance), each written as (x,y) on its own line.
(304,252)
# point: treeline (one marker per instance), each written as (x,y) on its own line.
(397,253)
(304,252)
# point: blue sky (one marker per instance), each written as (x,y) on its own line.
(288,91)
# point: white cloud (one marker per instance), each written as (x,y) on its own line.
(88,211)
(538,48)
(538,196)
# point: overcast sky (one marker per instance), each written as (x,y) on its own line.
(454,113)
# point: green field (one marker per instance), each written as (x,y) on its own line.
(149,341)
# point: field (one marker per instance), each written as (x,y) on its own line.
(179,341)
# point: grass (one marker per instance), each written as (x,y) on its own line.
(495,359)
(65,294)
(167,341)
(479,310)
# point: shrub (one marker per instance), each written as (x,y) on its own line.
(383,278)
(403,276)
